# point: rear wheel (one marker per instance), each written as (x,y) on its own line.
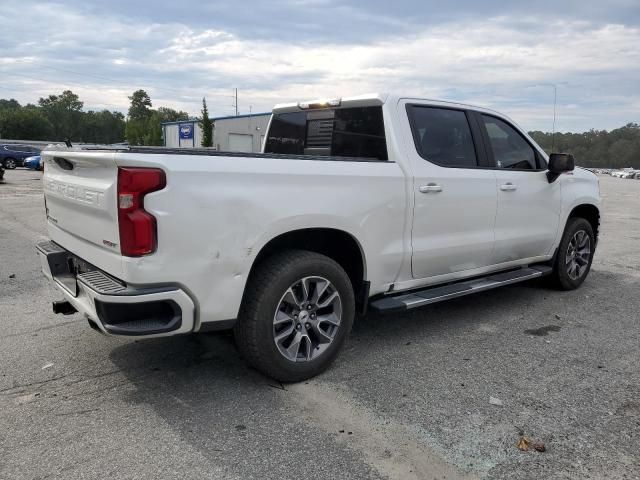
(10,163)
(575,254)
(296,315)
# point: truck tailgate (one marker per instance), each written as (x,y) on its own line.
(80,189)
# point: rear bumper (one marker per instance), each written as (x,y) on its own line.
(113,306)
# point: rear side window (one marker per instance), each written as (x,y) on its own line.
(442,136)
(510,149)
(346,132)
(22,148)
(287,133)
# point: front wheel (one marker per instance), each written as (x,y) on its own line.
(575,254)
(10,163)
(296,314)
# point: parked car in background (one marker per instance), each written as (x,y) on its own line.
(12,156)
(33,163)
(624,173)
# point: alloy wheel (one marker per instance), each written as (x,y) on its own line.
(307,319)
(578,255)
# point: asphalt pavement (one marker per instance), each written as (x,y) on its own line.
(446,391)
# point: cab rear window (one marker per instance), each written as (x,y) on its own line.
(344,132)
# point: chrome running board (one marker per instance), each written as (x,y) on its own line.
(419,298)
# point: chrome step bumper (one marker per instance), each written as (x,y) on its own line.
(110,304)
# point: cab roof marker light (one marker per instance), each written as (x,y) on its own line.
(317,104)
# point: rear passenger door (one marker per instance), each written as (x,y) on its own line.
(528,205)
(455,199)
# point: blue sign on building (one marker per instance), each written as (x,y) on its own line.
(186,131)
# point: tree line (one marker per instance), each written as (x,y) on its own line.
(61,117)
(58,117)
(618,148)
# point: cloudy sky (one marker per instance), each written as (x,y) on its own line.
(484,53)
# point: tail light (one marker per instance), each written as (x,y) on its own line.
(138,233)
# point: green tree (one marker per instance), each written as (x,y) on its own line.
(25,124)
(144,125)
(138,118)
(9,104)
(64,112)
(621,153)
(140,108)
(153,130)
(135,131)
(103,127)
(58,117)
(617,148)
(171,115)
(207,126)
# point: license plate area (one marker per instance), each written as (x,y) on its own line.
(65,267)
(69,282)
(78,266)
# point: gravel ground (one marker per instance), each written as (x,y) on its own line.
(408,398)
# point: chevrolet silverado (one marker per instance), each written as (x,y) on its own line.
(377,202)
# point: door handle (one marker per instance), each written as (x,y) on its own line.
(508,187)
(430,187)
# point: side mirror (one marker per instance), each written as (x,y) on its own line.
(559,163)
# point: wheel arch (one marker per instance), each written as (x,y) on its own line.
(336,244)
(589,212)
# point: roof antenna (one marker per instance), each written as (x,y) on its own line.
(67,142)
(553,132)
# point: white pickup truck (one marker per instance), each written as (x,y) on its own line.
(377,201)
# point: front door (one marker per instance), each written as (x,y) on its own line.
(528,205)
(455,200)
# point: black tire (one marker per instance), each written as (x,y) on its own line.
(254,331)
(10,163)
(561,277)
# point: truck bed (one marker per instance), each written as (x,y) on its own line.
(214,153)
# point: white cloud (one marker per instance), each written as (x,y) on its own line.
(493,61)
(503,62)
